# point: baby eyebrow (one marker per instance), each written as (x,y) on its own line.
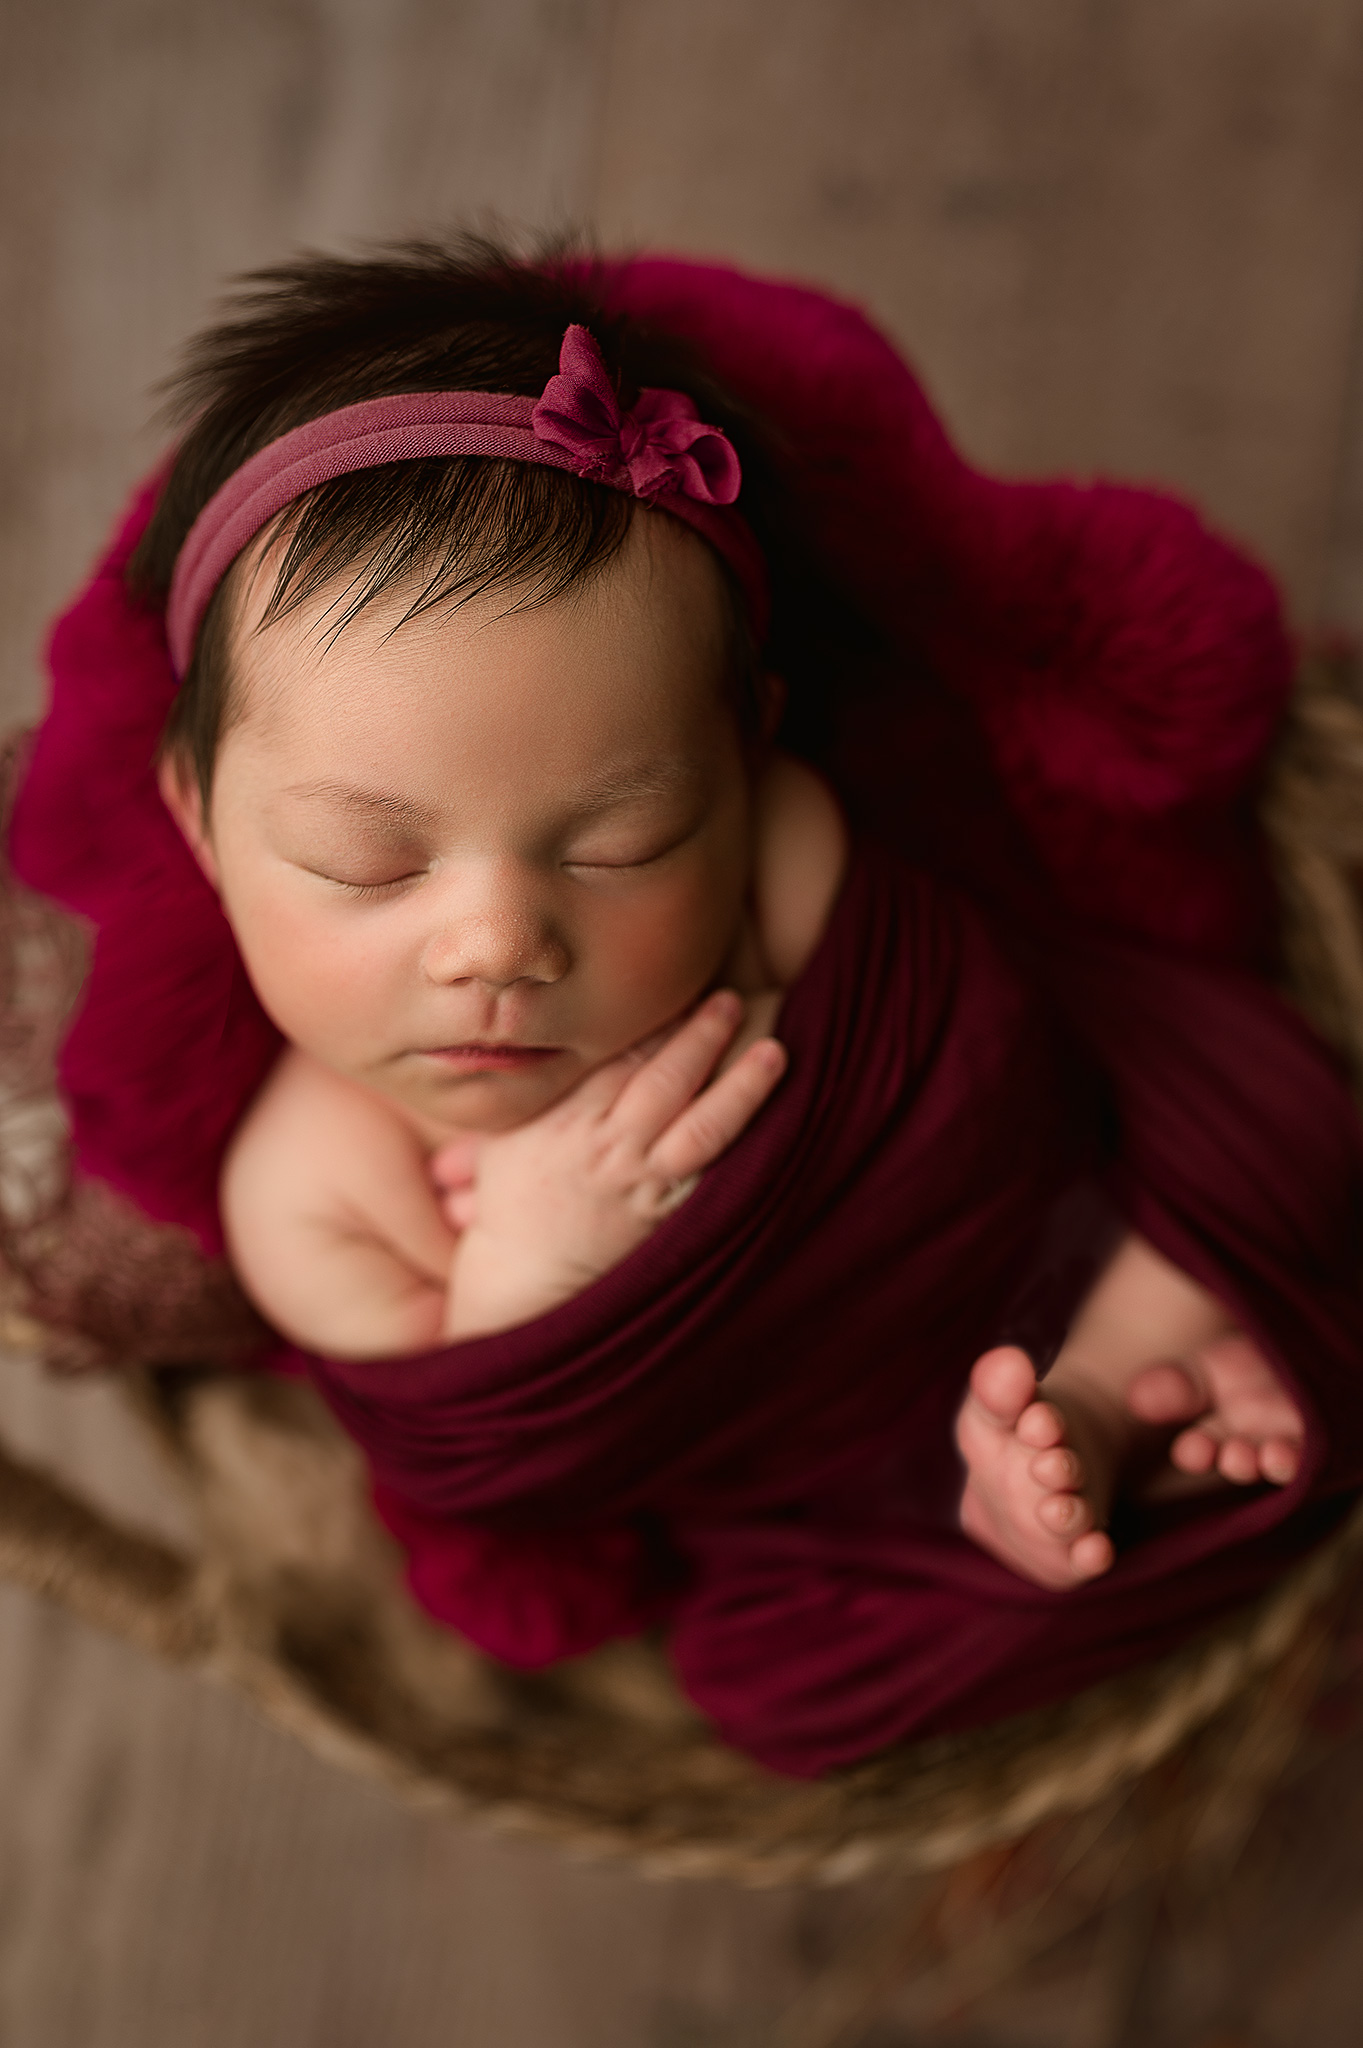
(660,779)
(379,802)
(656,779)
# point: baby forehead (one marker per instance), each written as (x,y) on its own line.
(522,685)
(654,624)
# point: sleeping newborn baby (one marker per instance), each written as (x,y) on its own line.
(523,885)
(648,1160)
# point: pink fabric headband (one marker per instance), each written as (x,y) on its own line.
(659,451)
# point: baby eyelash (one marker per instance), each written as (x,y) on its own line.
(368,891)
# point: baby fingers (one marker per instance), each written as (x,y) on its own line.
(459,1207)
(709,1125)
(661,1085)
(456,1162)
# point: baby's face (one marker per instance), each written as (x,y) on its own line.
(468,860)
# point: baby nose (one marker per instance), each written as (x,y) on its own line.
(494,931)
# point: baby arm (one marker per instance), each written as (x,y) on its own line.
(331,1219)
(334,1224)
(1148,1348)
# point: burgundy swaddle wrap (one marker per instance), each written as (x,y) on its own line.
(746,1426)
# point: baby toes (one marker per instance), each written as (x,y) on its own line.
(1238,1461)
(1058,1470)
(1194,1451)
(1092,1555)
(1002,1385)
(1021,1500)
(1041,1426)
(1279,1460)
(1065,1514)
(1165,1393)
(1237,1458)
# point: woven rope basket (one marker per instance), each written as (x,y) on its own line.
(294,1594)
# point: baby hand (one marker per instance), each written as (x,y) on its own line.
(1244,1423)
(547,1208)
(454,1172)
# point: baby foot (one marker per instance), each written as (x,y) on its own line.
(1032,1497)
(1245,1425)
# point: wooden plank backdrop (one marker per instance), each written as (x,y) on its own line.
(1120,237)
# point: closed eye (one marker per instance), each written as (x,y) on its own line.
(609,867)
(640,860)
(368,892)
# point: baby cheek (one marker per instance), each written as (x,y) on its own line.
(661,954)
(326,988)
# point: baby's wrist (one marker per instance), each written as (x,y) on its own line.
(494,1287)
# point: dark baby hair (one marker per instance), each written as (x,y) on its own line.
(323,332)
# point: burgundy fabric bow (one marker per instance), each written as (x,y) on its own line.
(659,444)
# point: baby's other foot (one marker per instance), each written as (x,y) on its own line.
(1245,1424)
(1030,1497)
